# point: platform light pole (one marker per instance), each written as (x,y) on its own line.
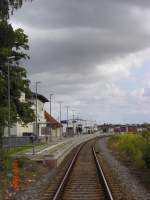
(67,107)
(36,112)
(60,111)
(73,122)
(78,122)
(60,106)
(50,103)
(9,100)
(36,118)
(50,110)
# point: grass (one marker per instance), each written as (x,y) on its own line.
(133,147)
(22,149)
(28,170)
(7,156)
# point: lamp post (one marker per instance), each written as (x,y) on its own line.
(50,110)
(60,103)
(78,123)
(67,107)
(36,112)
(60,110)
(50,103)
(73,122)
(9,103)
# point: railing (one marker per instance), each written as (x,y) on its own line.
(14,141)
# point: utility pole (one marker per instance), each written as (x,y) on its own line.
(50,103)
(60,103)
(73,123)
(67,119)
(9,103)
(50,110)
(9,100)
(36,107)
(86,126)
(60,112)
(78,123)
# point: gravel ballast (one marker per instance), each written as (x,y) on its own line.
(125,176)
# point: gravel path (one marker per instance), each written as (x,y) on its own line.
(128,180)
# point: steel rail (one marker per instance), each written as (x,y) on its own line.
(66,176)
(102,176)
(61,187)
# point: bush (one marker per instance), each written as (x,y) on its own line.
(146,156)
(146,135)
(132,146)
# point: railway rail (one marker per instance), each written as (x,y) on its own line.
(84,178)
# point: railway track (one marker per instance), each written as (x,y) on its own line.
(84,178)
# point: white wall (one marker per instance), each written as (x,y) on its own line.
(19,128)
(40,115)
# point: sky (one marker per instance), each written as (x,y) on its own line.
(92,55)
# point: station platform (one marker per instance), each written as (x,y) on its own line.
(54,154)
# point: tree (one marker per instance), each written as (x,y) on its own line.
(13,46)
(7,7)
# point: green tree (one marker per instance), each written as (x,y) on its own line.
(13,46)
(7,7)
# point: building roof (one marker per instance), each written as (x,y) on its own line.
(40,97)
(52,121)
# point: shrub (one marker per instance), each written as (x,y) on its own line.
(146,156)
(129,145)
(146,135)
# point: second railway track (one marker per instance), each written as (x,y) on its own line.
(84,179)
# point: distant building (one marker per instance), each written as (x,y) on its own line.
(78,126)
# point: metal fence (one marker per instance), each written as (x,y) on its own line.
(15,141)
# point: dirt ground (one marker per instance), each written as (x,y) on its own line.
(21,175)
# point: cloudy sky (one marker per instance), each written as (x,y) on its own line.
(94,55)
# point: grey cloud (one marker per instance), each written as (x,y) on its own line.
(70,38)
(82,52)
(146,92)
(96,31)
(136,3)
(74,13)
